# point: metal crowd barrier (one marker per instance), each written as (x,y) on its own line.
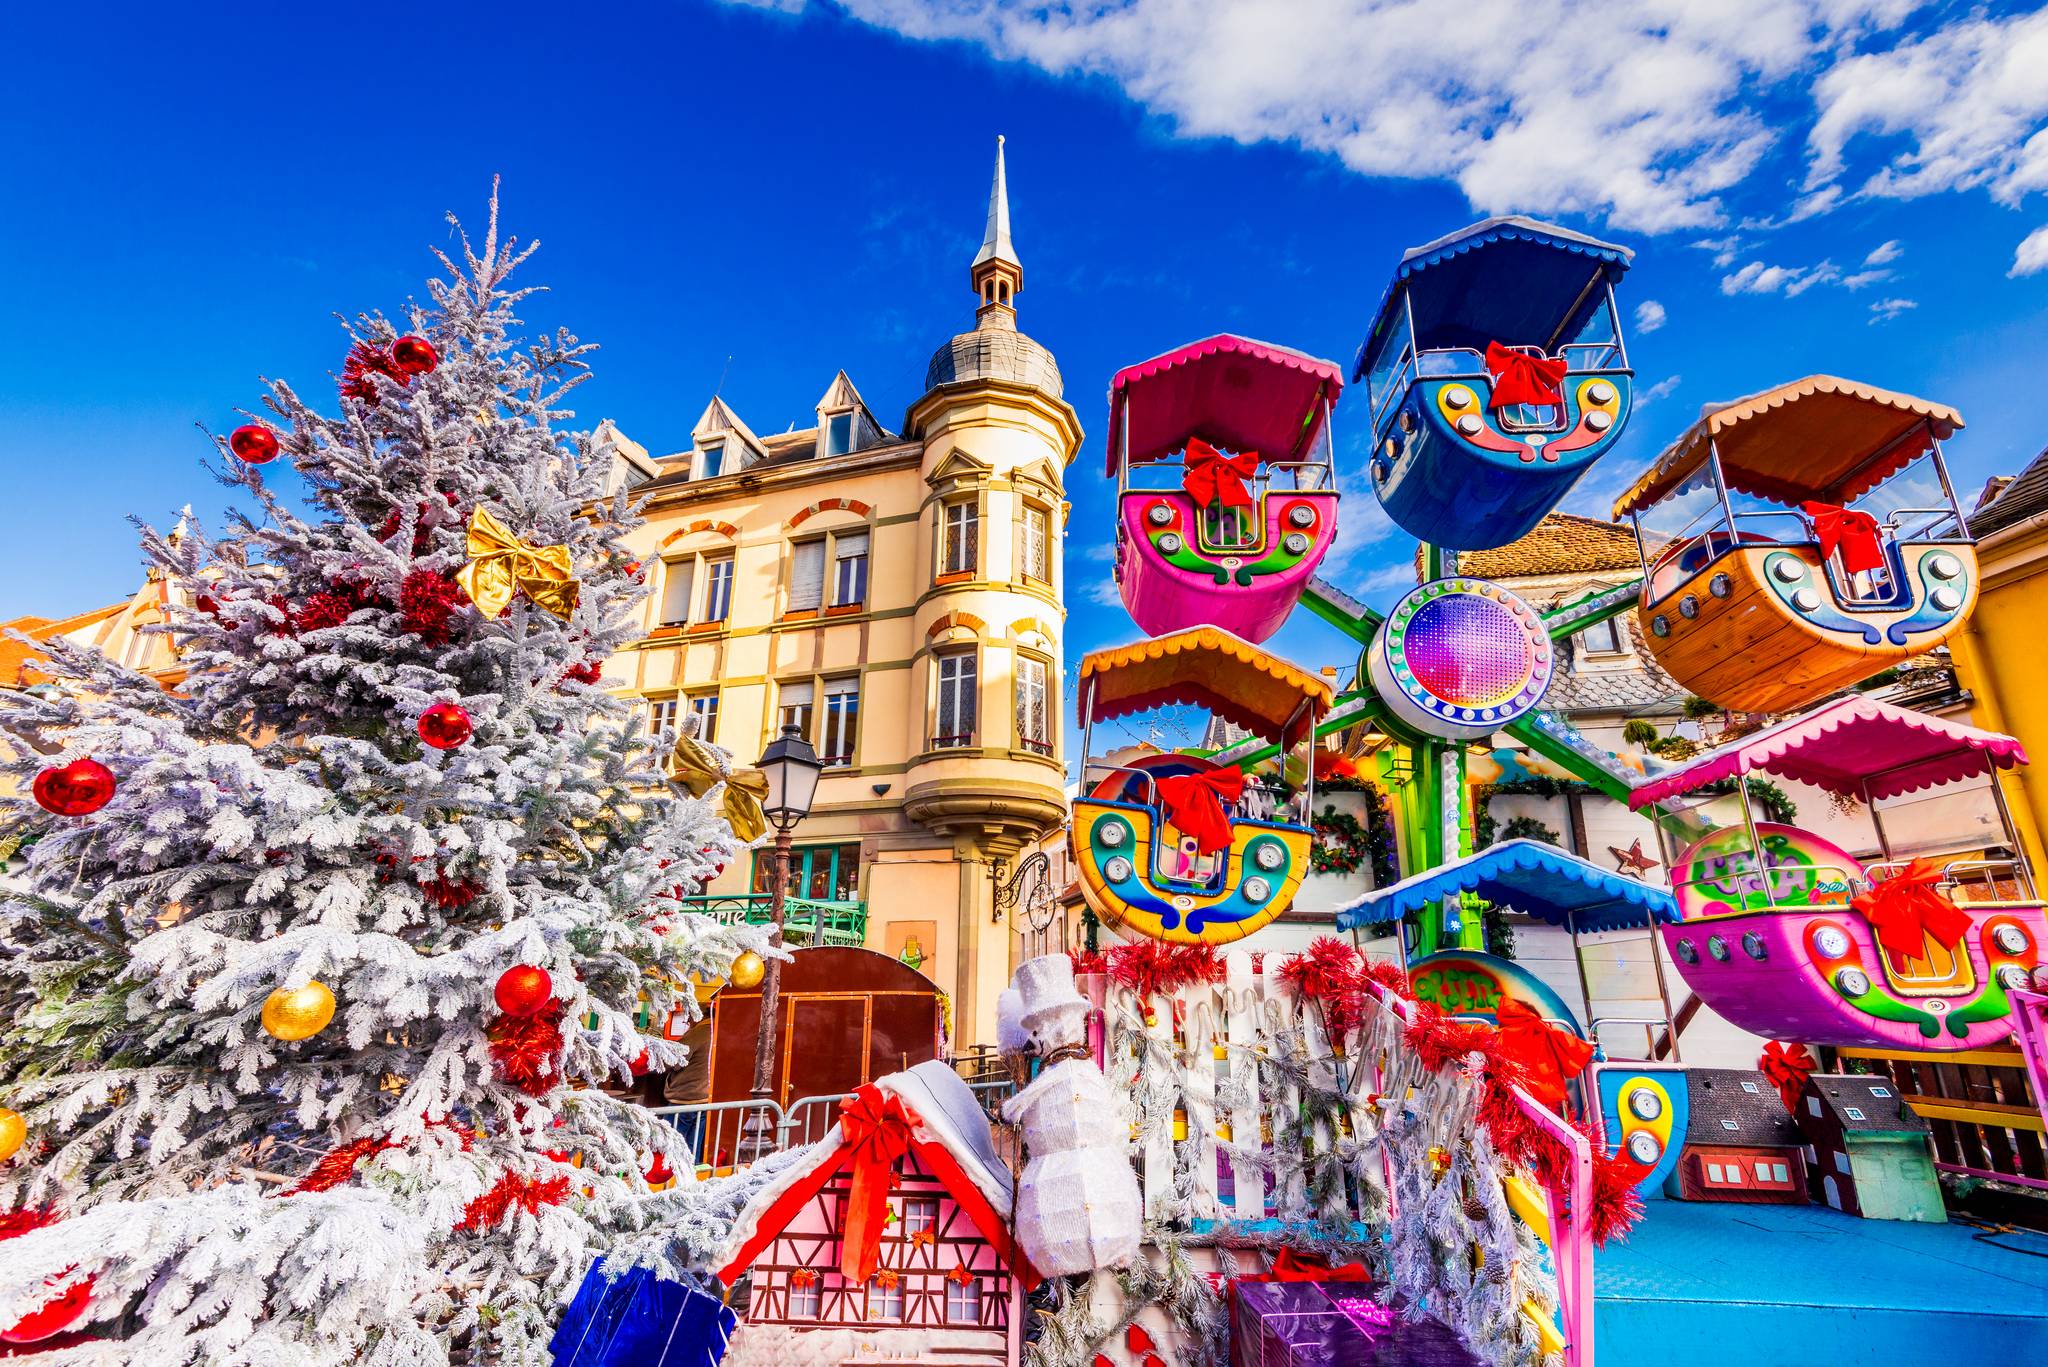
(725,1136)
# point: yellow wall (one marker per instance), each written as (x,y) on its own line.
(1998,657)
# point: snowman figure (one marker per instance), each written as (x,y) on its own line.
(1077,1205)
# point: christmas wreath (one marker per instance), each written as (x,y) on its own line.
(1342,843)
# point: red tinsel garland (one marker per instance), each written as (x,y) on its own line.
(1088,961)
(450,894)
(339,1164)
(1331,974)
(18,1222)
(589,672)
(322,610)
(527,1049)
(426,603)
(1155,968)
(529,1194)
(364,361)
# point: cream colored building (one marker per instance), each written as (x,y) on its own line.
(898,597)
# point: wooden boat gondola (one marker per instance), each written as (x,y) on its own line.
(1140,868)
(1247,507)
(1774,601)
(1497,374)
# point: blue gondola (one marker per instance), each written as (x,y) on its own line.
(1506,308)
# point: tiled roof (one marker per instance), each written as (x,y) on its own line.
(2022,497)
(14,656)
(1843,1092)
(1718,1094)
(1563,543)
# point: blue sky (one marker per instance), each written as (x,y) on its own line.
(193,192)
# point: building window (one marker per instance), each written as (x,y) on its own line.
(1853,1112)
(1033,713)
(1602,638)
(714,460)
(1841,1162)
(954,723)
(1714,1173)
(963,1301)
(920,1213)
(661,715)
(963,538)
(675,591)
(885,1302)
(798,706)
(1730,1126)
(1750,1087)
(849,569)
(1780,1173)
(807,575)
(839,434)
(1881,1091)
(842,721)
(704,706)
(1037,544)
(822,873)
(1763,1172)
(805,1300)
(717,589)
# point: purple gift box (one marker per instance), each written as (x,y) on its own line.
(1324,1324)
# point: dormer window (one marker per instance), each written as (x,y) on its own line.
(839,433)
(714,460)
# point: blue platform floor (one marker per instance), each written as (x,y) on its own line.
(1707,1284)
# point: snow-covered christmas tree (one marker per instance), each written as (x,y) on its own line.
(315,961)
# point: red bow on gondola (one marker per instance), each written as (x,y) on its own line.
(1213,477)
(1905,909)
(1194,805)
(1786,1067)
(1549,1056)
(1851,529)
(1519,377)
(876,1126)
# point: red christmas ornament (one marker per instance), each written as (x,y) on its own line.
(658,1171)
(523,990)
(445,725)
(206,603)
(54,1317)
(640,1064)
(253,443)
(589,672)
(414,355)
(79,788)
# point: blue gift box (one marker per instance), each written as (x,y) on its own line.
(638,1319)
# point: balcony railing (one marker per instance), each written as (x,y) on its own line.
(805,920)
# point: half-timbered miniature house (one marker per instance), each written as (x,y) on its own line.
(1869,1151)
(944,1261)
(1741,1144)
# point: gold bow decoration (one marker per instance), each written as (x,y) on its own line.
(501,565)
(692,765)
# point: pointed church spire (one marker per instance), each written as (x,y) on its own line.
(997,275)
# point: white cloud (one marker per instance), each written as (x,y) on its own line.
(1959,107)
(1663,389)
(1723,248)
(1885,253)
(1103,551)
(1395,575)
(1758,278)
(1863,278)
(1652,118)
(1650,316)
(2032,256)
(1884,310)
(1102,591)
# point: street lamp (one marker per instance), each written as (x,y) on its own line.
(791,768)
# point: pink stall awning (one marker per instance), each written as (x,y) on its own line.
(1841,746)
(1230,391)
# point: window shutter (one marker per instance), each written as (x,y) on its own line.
(675,591)
(797,694)
(807,577)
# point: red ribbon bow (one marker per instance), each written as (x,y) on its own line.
(1905,910)
(1787,1067)
(1194,804)
(875,1126)
(1213,477)
(1851,529)
(1519,377)
(1548,1055)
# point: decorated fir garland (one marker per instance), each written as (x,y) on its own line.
(1342,845)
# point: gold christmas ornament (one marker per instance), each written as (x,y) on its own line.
(13,1131)
(298,1014)
(695,768)
(748,970)
(501,566)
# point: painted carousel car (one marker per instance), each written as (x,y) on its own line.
(1175,846)
(1787,935)
(1226,501)
(1799,541)
(1497,374)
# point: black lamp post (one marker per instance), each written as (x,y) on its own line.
(791,768)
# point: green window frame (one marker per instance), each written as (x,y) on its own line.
(823,873)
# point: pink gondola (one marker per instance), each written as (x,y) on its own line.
(1226,500)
